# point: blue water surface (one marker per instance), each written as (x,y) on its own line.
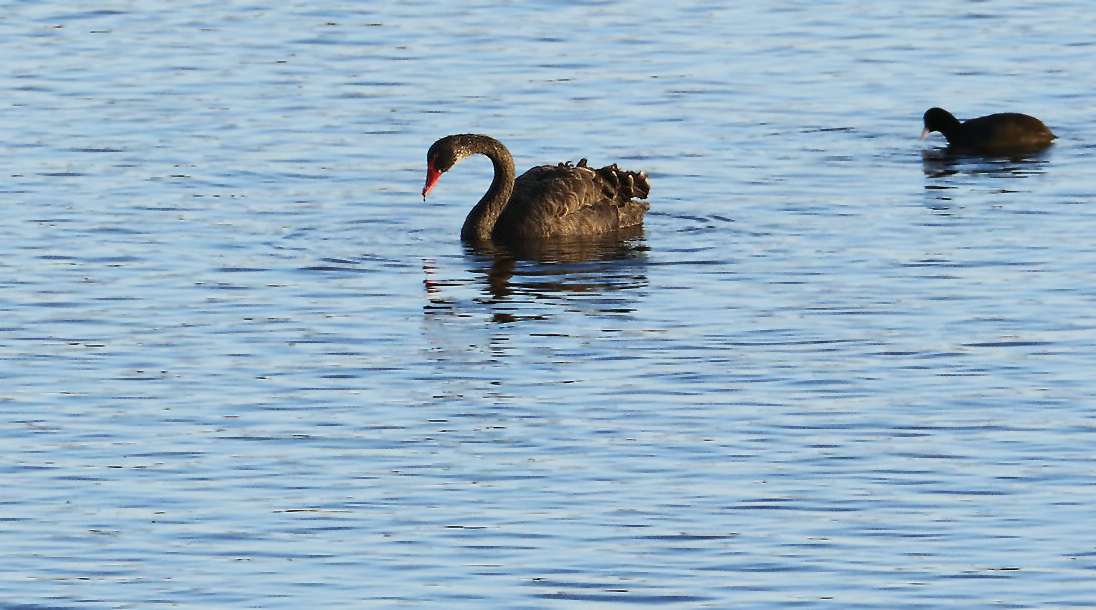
(244,365)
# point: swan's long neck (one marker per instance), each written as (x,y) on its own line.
(481,220)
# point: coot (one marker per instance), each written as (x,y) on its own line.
(1003,132)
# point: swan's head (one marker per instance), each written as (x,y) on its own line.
(441,157)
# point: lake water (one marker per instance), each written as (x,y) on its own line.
(244,365)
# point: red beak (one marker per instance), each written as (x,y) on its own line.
(432,176)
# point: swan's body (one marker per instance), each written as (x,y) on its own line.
(546,201)
(1004,132)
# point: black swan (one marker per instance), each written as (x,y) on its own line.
(1007,131)
(546,201)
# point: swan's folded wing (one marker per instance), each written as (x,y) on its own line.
(568,199)
(554,191)
(557,191)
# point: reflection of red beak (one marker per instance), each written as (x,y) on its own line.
(432,176)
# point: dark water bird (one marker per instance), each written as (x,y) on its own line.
(994,133)
(546,201)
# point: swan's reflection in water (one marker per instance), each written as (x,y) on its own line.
(516,281)
(947,170)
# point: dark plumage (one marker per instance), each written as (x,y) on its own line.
(1004,132)
(546,201)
